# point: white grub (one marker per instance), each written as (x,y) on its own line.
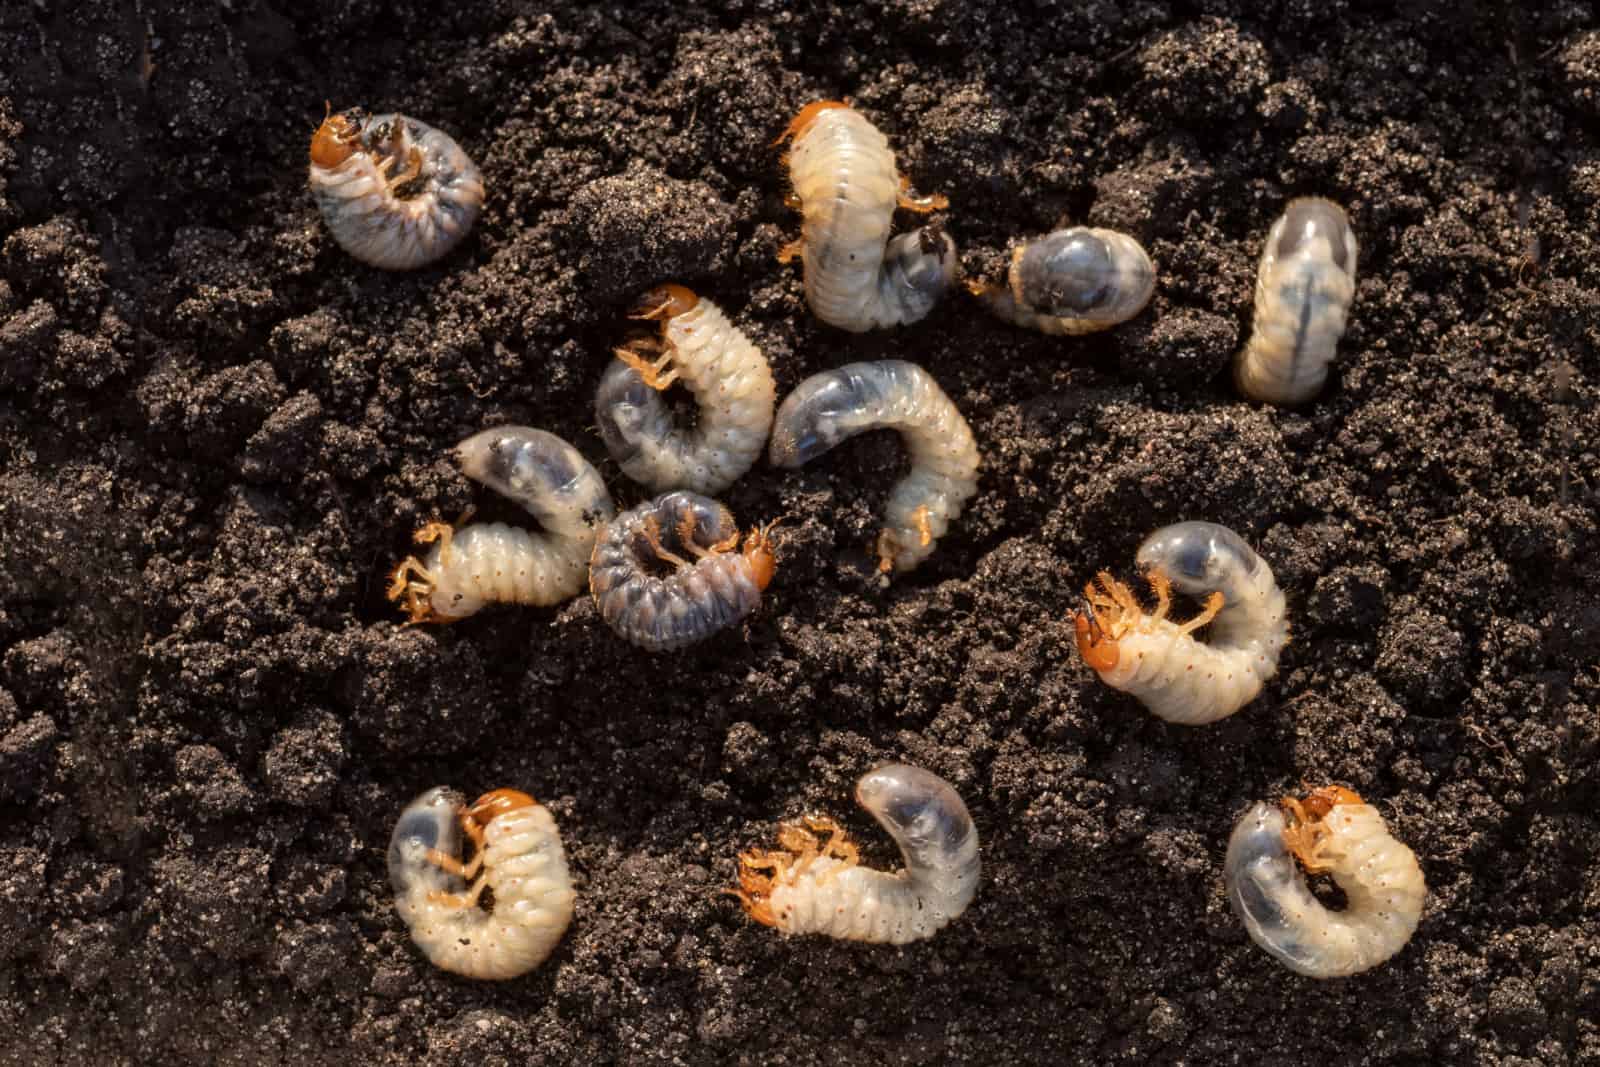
(1332,831)
(360,166)
(494,563)
(708,584)
(811,886)
(1073,281)
(732,386)
(1304,289)
(1177,677)
(844,177)
(835,405)
(517,857)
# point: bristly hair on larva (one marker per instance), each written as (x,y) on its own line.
(395,192)
(709,583)
(836,405)
(1329,831)
(846,186)
(732,386)
(1072,281)
(1160,662)
(1304,289)
(517,856)
(815,886)
(493,563)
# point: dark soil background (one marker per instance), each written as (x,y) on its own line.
(218,431)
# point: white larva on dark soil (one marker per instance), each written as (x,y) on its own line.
(732,386)
(669,573)
(1304,288)
(835,405)
(362,164)
(1332,831)
(812,886)
(844,177)
(490,563)
(1073,281)
(517,857)
(1159,661)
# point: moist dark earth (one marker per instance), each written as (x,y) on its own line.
(219,431)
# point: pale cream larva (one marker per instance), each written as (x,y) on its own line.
(835,405)
(1177,677)
(732,386)
(844,177)
(1334,832)
(397,219)
(492,562)
(812,886)
(518,858)
(1072,282)
(1304,289)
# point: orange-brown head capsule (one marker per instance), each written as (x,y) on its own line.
(332,144)
(1319,802)
(496,803)
(665,302)
(758,550)
(1096,647)
(808,114)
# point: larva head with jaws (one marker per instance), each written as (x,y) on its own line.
(807,115)
(758,550)
(664,302)
(1305,833)
(495,803)
(335,140)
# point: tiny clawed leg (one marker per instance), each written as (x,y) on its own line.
(652,536)
(1213,606)
(450,865)
(1162,585)
(651,372)
(469,899)
(413,168)
(788,252)
(907,198)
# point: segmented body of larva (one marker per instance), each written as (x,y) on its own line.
(835,405)
(694,599)
(819,888)
(494,563)
(1337,833)
(1304,288)
(518,858)
(1073,282)
(352,155)
(1175,676)
(844,177)
(731,383)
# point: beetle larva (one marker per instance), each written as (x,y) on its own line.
(352,156)
(1304,288)
(731,382)
(494,563)
(695,598)
(1158,661)
(518,857)
(1073,282)
(1333,831)
(835,405)
(812,887)
(844,177)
